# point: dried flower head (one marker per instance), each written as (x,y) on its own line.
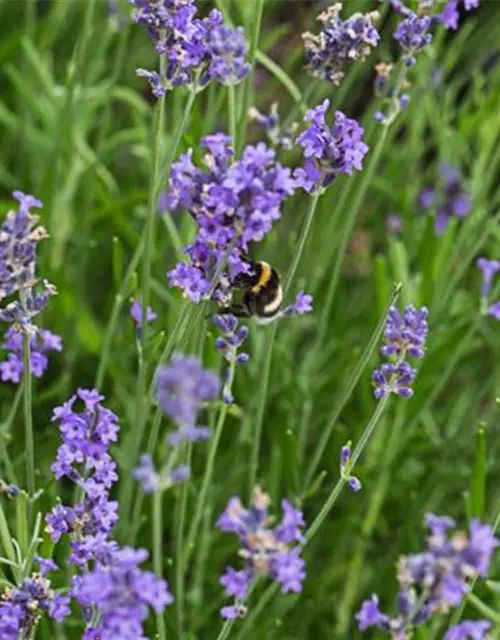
(339,43)
(265,550)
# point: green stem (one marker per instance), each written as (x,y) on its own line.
(248,85)
(209,469)
(483,608)
(10,472)
(302,240)
(268,351)
(325,510)
(179,539)
(29,446)
(348,389)
(158,552)
(350,221)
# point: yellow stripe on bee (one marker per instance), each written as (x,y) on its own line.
(265,276)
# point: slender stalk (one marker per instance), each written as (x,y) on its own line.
(248,85)
(207,479)
(346,392)
(347,229)
(158,552)
(322,515)
(179,540)
(29,447)
(268,351)
(10,472)
(302,240)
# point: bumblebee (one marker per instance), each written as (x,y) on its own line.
(263,293)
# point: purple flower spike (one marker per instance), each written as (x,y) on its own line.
(136,313)
(265,550)
(450,16)
(406,333)
(11,370)
(327,151)
(494,310)
(488,268)
(183,388)
(197,51)
(340,43)
(412,35)
(449,198)
(468,630)
(436,579)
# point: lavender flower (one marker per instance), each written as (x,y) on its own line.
(122,594)
(404,335)
(278,137)
(436,579)
(197,50)
(450,15)
(340,43)
(233,611)
(468,630)
(394,223)
(40,345)
(136,313)
(19,237)
(150,480)
(494,310)
(345,468)
(83,458)
(183,388)
(9,489)
(233,205)
(265,550)
(21,607)
(329,152)
(302,304)
(488,268)
(412,35)
(450,198)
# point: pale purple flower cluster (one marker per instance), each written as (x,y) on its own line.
(450,15)
(277,136)
(196,50)
(183,388)
(394,223)
(233,337)
(329,151)
(233,204)
(265,550)
(340,43)
(122,594)
(19,237)
(489,268)
(21,607)
(41,343)
(152,480)
(302,304)
(83,458)
(404,335)
(449,198)
(468,630)
(345,468)
(413,35)
(436,579)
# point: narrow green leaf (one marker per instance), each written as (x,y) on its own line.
(382,282)
(118,261)
(22,521)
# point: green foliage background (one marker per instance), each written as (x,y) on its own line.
(75,126)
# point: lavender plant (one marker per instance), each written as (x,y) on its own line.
(173,224)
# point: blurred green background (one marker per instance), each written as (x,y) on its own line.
(75,131)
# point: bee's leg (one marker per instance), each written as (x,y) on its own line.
(237,310)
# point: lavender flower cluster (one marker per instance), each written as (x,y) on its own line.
(233,204)
(19,237)
(197,51)
(449,198)
(413,36)
(22,606)
(114,586)
(436,579)
(265,550)
(41,343)
(405,334)
(340,43)
(329,152)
